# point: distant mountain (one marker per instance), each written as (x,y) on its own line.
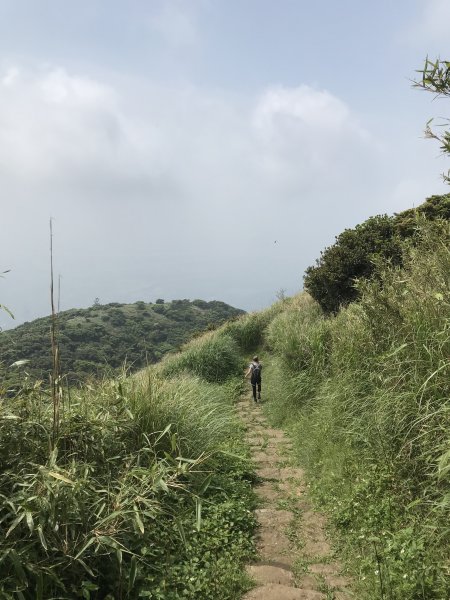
(98,339)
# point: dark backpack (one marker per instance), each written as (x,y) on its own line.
(256,371)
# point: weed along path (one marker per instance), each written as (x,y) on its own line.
(295,560)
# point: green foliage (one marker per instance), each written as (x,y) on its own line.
(332,281)
(213,357)
(299,334)
(368,409)
(248,330)
(436,79)
(144,496)
(99,339)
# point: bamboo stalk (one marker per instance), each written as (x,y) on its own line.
(55,349)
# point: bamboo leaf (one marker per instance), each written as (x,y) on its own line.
(41,536)
(14,524)
(198,511)
(84,565)
(161,484)
(30,521)
(181,531)
(85,547)
(19,363)
(133,572)
(17,565)
(138,520)
(205,485)
(40,587)
(163,433)
(60,477)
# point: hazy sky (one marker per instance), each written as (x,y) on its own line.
(204,148)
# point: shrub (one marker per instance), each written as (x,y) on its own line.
(137,498)
(248,331)
(332,281)
(356,252)
(213,357)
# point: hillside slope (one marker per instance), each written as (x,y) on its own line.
(365,396)
(96,339)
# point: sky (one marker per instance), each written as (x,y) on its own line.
(204,148)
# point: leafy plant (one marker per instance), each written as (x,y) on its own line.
(332,282)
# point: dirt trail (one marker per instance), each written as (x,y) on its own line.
(295,559)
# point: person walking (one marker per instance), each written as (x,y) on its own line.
(254,371)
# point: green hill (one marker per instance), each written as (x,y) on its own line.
(100,338)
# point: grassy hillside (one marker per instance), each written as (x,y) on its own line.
(100,338)
(141,487)
(366,396)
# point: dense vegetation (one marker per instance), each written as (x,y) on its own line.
(143,488)
(101,338)
(366,396)
(331,282)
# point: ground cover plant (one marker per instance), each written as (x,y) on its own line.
(366,395)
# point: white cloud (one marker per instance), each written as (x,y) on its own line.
(175,24)
(303,105)
(309,139)
(431,26)
(10,76)
(174,190)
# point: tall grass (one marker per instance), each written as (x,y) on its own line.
(367,397)
(142,490)
(213,357)
(146,492)
(248,331)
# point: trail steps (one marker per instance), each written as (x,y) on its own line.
(295,560)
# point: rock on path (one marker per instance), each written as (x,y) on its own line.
(295,558)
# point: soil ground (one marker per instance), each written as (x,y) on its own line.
(295,559)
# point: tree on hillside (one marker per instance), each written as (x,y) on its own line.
(331,282)
(436,79)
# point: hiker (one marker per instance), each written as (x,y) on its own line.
(254,370)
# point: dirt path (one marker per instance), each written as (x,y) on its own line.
(295,559)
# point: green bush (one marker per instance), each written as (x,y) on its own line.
(248,331)
(213,357)
(300,336)
(144,494)
(332,282)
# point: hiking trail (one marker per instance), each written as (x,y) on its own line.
(295,560)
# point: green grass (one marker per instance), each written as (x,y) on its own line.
(146,491)
(366,398)
(214,358)
(146,494)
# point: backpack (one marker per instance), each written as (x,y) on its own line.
(256,371)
